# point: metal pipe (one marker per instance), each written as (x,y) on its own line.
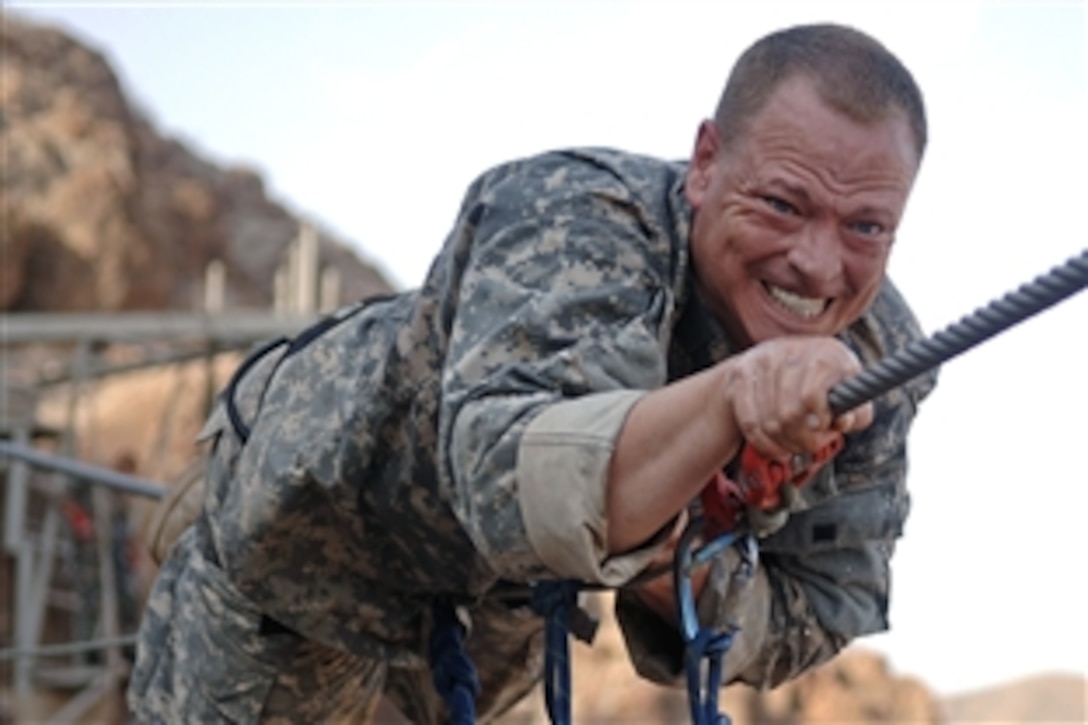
(229,328)
(85,471)
(68,648)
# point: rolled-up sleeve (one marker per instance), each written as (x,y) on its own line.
(572,442)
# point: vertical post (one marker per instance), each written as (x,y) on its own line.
(16,495)
(25,638)
(19,415)
(306,280)
(211,390)
(109,610)
(215,287)
(330,289)
(291,276)
(18,412)
(81,373)
(36,561)
(281,291)
(75,488)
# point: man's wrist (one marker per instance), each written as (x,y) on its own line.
(659,594)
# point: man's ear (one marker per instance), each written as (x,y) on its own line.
(703,163)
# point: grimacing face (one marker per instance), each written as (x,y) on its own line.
(794,222)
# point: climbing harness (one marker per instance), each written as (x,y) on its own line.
(293,345)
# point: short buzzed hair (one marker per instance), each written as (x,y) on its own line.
(853,73)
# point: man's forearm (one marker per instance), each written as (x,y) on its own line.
(672,442)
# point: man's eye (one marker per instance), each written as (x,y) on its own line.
(867,229)
(780,205)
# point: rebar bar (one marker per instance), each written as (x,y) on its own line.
(1029,299)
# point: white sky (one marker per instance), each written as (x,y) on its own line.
(370,119)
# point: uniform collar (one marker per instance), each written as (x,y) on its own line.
(699,339)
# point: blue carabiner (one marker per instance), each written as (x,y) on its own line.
(703,643)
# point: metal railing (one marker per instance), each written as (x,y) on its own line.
(107,477)
(35,570)
(34,534)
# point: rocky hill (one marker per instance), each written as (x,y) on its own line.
(1051,698)
(100,211)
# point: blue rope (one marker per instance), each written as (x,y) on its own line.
(452,671)
(556,602)
(703,696)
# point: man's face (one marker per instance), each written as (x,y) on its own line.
(794,222)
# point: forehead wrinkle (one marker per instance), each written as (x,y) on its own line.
(840,164)
(782,135)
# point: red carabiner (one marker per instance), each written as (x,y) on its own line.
(757,482)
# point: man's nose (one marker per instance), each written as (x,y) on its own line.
(817,254)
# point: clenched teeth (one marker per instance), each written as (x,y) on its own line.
(807,307)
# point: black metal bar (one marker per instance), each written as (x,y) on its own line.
(1029,299)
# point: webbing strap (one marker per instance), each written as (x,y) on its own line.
(556,601)
(294,345)
(452,671)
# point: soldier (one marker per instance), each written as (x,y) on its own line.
(596,339)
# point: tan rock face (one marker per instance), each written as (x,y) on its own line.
(100,212)
(71,177)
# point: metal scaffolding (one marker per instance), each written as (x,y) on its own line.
(60,538)
(53,570)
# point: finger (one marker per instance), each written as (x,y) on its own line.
(771,449)
(824,368)
(825,440)
(784,412)
(854,420)
(764,435)
(864,416)
(845,422)
(843,364)
(754,399)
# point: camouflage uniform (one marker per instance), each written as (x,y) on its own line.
(451,439)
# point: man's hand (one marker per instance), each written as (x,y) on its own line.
(659,594)
(777,392)
(773,395)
